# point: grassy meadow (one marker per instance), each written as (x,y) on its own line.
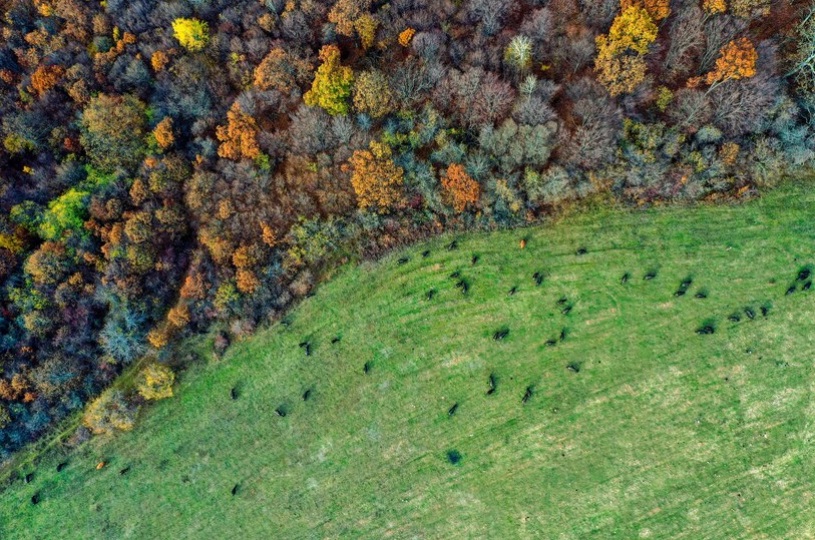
(634,425)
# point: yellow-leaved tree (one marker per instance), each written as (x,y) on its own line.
(156,381)
(332,83)
(620,61)
(193,34)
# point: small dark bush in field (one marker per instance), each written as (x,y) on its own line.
(493,384)
(708,327)
(454,457)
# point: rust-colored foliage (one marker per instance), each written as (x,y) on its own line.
(239,137)
(406,36)
(46,77)
(194,287)
(164,133)
(246,281)
(377,181)
(159,60)
(281,71)
(737,60)
(657,9)
(460,189)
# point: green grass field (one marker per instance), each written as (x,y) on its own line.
(654,432)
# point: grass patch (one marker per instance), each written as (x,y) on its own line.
(612,419)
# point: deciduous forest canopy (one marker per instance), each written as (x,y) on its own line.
(169,164)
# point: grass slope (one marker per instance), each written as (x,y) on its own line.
(661,433)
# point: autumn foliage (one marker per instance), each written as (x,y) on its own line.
(737,60)
(657,9)
(620,62)
(406,36)
(46,77)
(168,166)
(163,133)
(332,83)
(239,136)
(156,381)
(280,70)
(377,181)
(460,189)
(193,34)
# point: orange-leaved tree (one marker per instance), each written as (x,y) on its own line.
(239,136)
(657,9)
(460,189)
(163,133)
(376,179)
(737,60)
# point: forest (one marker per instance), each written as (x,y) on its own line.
(168,166)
